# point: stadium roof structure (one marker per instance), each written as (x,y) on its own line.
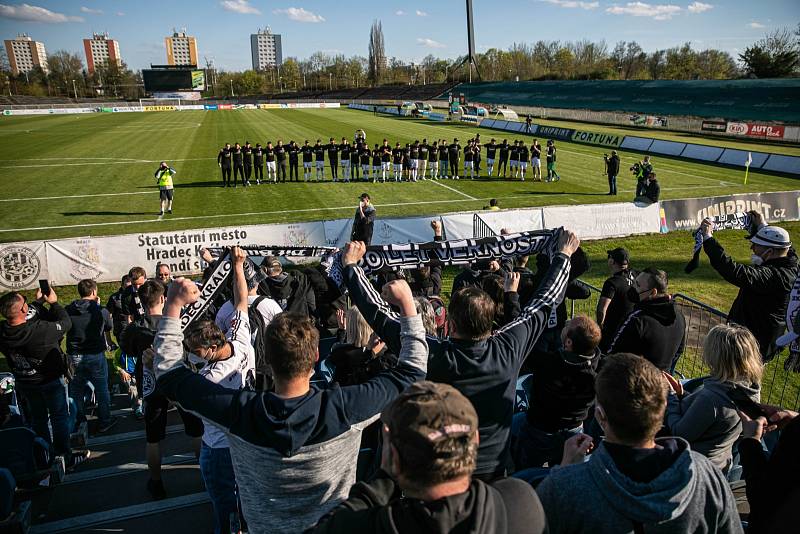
(761,100)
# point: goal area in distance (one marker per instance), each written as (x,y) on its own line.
(163,102)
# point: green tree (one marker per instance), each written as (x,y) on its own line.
(64,68)
(775,56)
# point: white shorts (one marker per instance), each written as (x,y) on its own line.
(320,164)
(306,164)
(535,162)
(490,161)
(398,167)
(386,165)
(271,166)
(376,168)
(422,163)
(345,163)
(365,167)
(435,164)
(468,164)
(412,164)
(513,163)
(524,165)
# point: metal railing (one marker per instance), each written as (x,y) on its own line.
(778,386)
(480,228)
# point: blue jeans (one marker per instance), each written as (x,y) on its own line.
(47,403)
(91,368)
(216,468)
(531,447)
(612,184)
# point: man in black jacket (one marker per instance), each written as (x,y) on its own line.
(86,346)
(291,290)
(655,329)
(32,348)
(612,170)
(364,220)
(481,365)
(224,161)
(613,305)
(425,484)
(561,394)
(764,286)
(136,338)
(280,156)
(238,168)
(247,157)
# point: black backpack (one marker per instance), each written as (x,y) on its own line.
(258,337)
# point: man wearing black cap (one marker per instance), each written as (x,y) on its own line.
(430,444)
(613,305)
(364,220)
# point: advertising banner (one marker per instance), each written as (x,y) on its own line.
(160,108)
(594,138)
(178,95)
(50,111)
(553,132)
(126,109)
(687,214)
(211,107)
(225,106)
(648,120)
(604,220)
(190,107)
(105,259)
(22,265)
(714,126)
(198,80)
(756,130)
(438,117)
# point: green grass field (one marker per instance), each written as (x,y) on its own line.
(78,175)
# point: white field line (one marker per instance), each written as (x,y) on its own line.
(436,182)
(275,212)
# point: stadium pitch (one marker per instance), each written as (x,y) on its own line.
(78,175)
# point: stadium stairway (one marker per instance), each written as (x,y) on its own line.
(107,493)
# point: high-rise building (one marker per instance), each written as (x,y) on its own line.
(100,51)
(24,54)
(265,48)
(181,49)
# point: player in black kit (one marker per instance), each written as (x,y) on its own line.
(269,155)
(319,160)
(294,153)
(238,169)
(224,161)
(453,151)
(308,156)
(258,163)
(503,153)
(280,157)
(491,150)
(443,161)
(333,158)
(247,156)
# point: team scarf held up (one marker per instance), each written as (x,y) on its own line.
(730,221)
(792,335)
(456,252)
(218,279)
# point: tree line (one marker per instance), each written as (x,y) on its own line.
(777,55)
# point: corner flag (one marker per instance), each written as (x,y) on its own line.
(747,166)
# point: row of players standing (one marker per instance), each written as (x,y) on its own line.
(357,161)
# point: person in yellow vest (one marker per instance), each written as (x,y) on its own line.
(164,176)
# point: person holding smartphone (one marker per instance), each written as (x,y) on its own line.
(364,220)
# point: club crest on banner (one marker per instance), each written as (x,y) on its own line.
(19,267)
(88,261)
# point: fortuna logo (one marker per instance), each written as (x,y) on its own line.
(19,267)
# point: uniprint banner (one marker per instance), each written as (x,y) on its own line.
(687,214)
(594,138)
(553,132)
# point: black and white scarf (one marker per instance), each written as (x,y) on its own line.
(731,221)
(218,280)
(456,252)
(792,335)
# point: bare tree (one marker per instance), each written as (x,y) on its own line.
(377,54)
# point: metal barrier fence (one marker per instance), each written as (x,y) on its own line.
(778,386)
(480,228)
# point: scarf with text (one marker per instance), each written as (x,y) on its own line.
(730,221)
(218,279)
(456,252)
(792,335)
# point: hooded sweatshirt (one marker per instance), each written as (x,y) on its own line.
(655,329)
(294,459)
(90,322)
(378,507)
(292,291)
(32,348)
(690,495)
(708,418)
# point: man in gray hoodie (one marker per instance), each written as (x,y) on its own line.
(634,482)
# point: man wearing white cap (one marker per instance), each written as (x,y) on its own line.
(764,286)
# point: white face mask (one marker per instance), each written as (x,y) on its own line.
(755,259)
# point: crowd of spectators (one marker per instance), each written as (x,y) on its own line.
(409,420)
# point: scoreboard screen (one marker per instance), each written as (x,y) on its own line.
(173,80)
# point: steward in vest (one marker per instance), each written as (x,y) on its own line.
(164,175)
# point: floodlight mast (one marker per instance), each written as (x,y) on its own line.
(470,58)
